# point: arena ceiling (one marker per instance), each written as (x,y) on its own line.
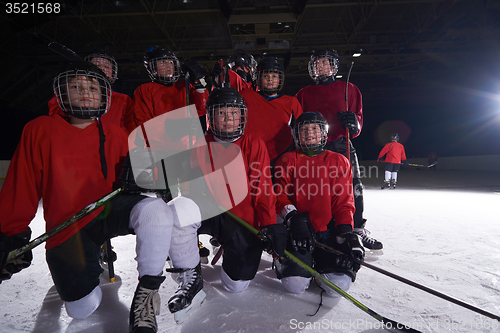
(404,43)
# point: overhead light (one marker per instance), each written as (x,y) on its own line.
(356,54)
(338,76)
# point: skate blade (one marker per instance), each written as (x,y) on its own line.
(374,252)
(181,315)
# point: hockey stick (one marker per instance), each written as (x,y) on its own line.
(64,51)
(348,153)
(419,286)
(63,225)
(416,165)
(387,322)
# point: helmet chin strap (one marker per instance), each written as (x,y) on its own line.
(327,81)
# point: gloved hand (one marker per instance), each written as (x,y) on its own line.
(405,162)
(197,74)
(215,74)
(301,231)
(380,159)
(8,244)
(351,245)
(349,120)
(276,233)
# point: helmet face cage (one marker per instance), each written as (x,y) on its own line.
(162,66)
(310,135)
(83,93)
(106,63)
(322,67)
(276,76)
(227,120)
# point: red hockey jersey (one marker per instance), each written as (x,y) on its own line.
(270,120)
(119,114)
(320,185)
(61,164)
(394,153)
(329,100)
(220,162)
(153,99)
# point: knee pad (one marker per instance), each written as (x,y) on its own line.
(340,280)
(188,212)
(232,285)
(295,284)
(85,306)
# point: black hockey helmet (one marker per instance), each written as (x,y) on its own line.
(157,54)
(270,65)
(105,62)
(82,90)
(243,58)
(315,66)
(219,100)
(395,137)
(302,142)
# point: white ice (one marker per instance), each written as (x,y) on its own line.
(440,229)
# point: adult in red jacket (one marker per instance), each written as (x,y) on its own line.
(393,154)
(70,163)
(313,188)
(328,97)
(236,168)
(271,114)
(121,107)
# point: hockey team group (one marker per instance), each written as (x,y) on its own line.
(284,146)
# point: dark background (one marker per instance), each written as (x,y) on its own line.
(429,70)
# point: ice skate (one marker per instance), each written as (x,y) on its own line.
(368,242)
(146,305)
(386,185)
(393,184)
(189,295)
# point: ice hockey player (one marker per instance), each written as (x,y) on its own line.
(227,114)
(328,96)
(393,154)
(70,162)
(270,113)
(313,188)
(241,72)
(120,110)
(165,93)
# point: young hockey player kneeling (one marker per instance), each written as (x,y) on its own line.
(71,162)
(243,160)
(313,188)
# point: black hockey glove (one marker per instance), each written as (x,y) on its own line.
(349,120)
(405,162)
(145,179)
(215,75)
(8,244)
(196,73)
(276,233)
(350,244)
(300,231)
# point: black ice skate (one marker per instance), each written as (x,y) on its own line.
(393,184)
(368,242)
(146,305)
(189,295)
(386,185)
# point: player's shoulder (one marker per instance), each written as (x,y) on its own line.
(333,157)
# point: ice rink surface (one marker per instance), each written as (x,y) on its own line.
(440,229)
